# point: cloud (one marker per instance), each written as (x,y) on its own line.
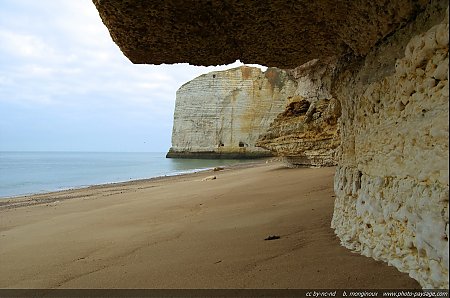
(58,56)
(23,45)
(71,52)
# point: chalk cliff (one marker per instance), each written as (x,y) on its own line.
(391,81)
(221,114)
(306,133)
(391,182)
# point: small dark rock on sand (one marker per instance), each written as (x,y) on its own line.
(273,237)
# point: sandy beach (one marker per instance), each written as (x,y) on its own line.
(187,232)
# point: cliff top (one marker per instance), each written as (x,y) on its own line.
(277,33)
(247,72)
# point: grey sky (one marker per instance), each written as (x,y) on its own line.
(65,85)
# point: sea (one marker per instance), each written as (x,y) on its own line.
(25,173)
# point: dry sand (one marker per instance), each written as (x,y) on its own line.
(182,232)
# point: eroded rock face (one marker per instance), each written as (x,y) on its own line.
(283,34)
(392,180)
(222,114)
(306,133)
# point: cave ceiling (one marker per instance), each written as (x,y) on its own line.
(282,33)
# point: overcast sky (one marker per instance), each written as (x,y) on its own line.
(65,85)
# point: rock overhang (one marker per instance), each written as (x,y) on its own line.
(283,33)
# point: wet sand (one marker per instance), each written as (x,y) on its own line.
(184,232)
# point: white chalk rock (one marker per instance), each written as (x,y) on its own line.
(392,180)
(441,72)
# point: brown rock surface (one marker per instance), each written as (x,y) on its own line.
(283,34)
(306,133)
(296,108)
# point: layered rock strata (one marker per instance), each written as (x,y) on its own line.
(221,114)
(306,133)
(392,180)
(391,81)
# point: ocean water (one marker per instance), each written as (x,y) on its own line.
(23,173)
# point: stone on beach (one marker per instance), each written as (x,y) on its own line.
(209,178)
